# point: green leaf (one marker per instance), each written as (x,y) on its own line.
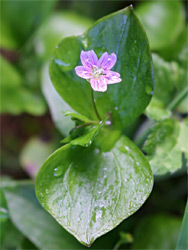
(171,78)
(89,192)
(183,239)
(34,222)
(57,27)
(37,225)
(157,232)
(156,111)
(76,116)
(165,145)
(56,104)
(4,216)
(15,98)
(126,100)
(163,21)
(38,148)
(13,31)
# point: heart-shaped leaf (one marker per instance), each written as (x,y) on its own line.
(122,34)
(89,192)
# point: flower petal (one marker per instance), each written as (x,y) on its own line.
(107,61)
(88,58)
(99,84)
(112,77)
(83,72)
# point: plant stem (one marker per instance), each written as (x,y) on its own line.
(97,114)
(178,99)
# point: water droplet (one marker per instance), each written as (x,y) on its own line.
(41,194)
(61,63)
(90,142)
(98,215)
(42,204)
(94,100)
(85,42)
(116,108)
(137,163)
(86,145)
(47,191)
(108,123)
(127,148)
(57,47)
(58,171)
(149,90)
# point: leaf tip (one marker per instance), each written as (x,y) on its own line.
(131,6)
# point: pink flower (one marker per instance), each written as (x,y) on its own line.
(98,71)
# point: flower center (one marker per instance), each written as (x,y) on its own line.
(97,72)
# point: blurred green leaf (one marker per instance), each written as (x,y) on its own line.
(163,21)
(56,104)
(90,192)
(4,217)
(15,98)
(126,100)
(156,111)
(19,19)
(171,79)
(13,238)
(57,27)
(183,236)
(165,145)
(157,232)
(34,153)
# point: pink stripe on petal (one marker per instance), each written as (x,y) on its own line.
(109,73)
(113,79)
(102,60)
(83,72)
(93,57)
(110,62)
(99,84)
(88,58)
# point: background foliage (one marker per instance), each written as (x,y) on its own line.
(33,124)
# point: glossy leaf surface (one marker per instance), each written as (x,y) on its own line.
(33,221)
(90,192)
(167,136)
(126,100)
(37,225)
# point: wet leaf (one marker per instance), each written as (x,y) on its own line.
(90,191)
(125,101)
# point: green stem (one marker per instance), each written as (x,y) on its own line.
(97,114)
(178,99)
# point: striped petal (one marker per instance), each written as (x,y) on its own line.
(83,72)
(88,58)
(99,84)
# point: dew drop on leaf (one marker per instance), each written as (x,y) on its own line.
(47,191)
(149,90)
(58,171)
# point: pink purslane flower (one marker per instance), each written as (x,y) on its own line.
(98,71)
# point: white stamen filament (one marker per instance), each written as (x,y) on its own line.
(97,72)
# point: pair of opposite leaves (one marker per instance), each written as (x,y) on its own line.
(95,190)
